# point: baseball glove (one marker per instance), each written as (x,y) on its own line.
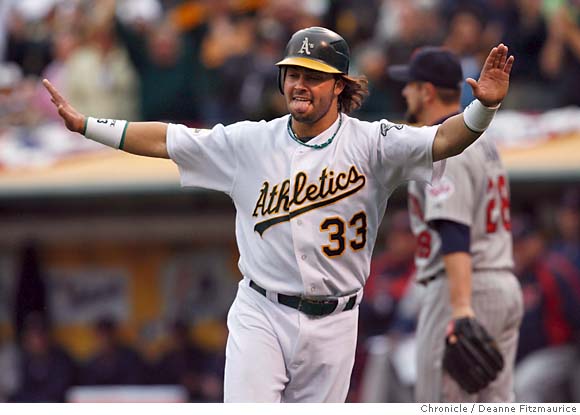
(471,356)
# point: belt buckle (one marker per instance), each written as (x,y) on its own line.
(303,300)
(314,300)
(320,302)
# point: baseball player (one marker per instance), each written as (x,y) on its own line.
(310,189)
(464,254)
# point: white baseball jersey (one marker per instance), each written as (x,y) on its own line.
(473,191)
(307,218)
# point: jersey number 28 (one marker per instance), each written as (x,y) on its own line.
(498,190)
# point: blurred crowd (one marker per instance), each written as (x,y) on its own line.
(208,61)
(36,368)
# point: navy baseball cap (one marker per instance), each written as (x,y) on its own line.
(431,64)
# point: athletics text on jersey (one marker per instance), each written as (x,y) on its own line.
(298,197)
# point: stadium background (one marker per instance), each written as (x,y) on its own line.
(92,235)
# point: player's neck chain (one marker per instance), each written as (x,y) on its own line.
(314,146)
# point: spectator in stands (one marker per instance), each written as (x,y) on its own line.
(526,32)
(391,273)
(561,54)
(46,370)
(15,97)
(415,28)
(169,66)
(5,7)
(371,60)
(64,44)
(547,353)
(464,38)
(113,363)
(29,29)
(543,323)
(567,217)
(185,363)
(230,48)
(355,20)
(9,373)
(258,96)
(98,75)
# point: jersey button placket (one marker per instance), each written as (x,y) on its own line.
(300,235)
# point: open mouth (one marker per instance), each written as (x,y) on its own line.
(300,104)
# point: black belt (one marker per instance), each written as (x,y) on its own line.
(309,306)
(427,280)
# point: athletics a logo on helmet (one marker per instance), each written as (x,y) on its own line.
(306,45)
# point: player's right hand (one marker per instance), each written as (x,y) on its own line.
(73,120)
(493,83)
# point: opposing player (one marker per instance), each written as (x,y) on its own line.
(464,255)
(310,189)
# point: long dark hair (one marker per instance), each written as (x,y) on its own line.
(355,91)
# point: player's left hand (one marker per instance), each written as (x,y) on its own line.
(462,311)
(493,83)
(472,357)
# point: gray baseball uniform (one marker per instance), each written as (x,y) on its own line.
(473,191)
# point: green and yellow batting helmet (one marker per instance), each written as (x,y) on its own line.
(316,48)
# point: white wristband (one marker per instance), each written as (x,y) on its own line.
(477,116)
(108,132)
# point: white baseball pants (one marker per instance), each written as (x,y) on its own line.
(275,353)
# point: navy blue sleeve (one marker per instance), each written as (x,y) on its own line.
(455,237)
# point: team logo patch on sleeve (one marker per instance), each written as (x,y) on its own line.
(386,126)
(200,131)
(441,190)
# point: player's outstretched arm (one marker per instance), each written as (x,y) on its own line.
(142,138)
(458,132)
